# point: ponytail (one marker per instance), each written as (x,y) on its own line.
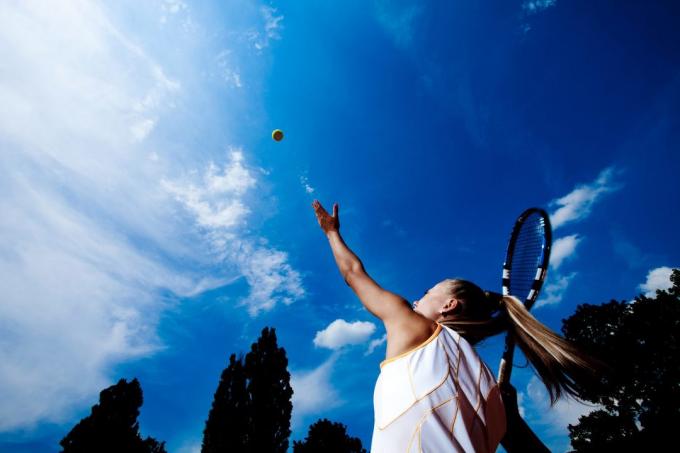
(559,364)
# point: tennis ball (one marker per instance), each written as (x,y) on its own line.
(277,135)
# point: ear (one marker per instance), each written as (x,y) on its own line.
(451,306)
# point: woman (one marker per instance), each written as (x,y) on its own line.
(434,393)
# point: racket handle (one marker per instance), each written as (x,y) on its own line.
(503,372)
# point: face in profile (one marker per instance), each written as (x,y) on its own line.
(434,301)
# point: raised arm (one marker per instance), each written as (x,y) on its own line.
(389,307)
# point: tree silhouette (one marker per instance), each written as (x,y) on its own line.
(227,427)
(640,396)
(112,426)
(270,393)
(328,437)
(252,408)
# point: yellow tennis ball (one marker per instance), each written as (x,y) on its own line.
(277,135)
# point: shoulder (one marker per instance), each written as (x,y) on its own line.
(409,335)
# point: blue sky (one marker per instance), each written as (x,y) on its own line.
(151,226)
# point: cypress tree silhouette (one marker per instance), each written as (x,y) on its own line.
(640,396)
(227,427)
(270,394)
(112,426)
(252,405)
(328,437)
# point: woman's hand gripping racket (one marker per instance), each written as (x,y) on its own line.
(524,270)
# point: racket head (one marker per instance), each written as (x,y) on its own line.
(524,270)
(527,256)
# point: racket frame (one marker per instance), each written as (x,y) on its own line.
(505,368)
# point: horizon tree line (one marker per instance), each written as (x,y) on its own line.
(638,399)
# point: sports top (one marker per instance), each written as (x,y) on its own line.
(438,397)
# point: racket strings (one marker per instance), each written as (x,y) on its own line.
(528,256)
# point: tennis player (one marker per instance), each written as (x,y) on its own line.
(434,393)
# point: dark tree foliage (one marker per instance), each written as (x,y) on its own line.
(112,426)
(228,421)
(270,394)
(328,437)
(640,395)
(252,406)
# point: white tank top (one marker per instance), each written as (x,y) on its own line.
(438,397)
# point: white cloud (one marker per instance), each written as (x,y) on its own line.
(534,6)
(305,183)
(171,9)
(77,295)
(562,249)
(341,333)
(659,278)
(270,277)
(521,404)
(89,237)
(272,24)
(313,392)
(227,69)
(218,207)
(556,418)
(142,128)
(577,204)
(552,293)
(217,203)
(173,6)
(375,343)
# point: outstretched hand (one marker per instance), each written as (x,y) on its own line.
(327,222)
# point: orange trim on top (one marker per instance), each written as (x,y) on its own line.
(421,345)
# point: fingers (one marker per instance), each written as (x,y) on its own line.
(319,208)
(335,210)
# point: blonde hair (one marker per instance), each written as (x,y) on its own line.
(482,314)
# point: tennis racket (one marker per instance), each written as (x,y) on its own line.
(524,270)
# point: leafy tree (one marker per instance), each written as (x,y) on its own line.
(252,408)
(640,396)
(328,437)
(227,427)
(112,426)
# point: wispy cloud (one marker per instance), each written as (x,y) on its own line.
(375,344)
(272,24)
(578,203)
(341,333)
(216,202)
(534,6)
(553,292)
(305,183)
(89,237)
(77,294)
(227,69)
(398,21)
(562,249)
(659,278)
(554,419)
(574,206)
(313,392)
